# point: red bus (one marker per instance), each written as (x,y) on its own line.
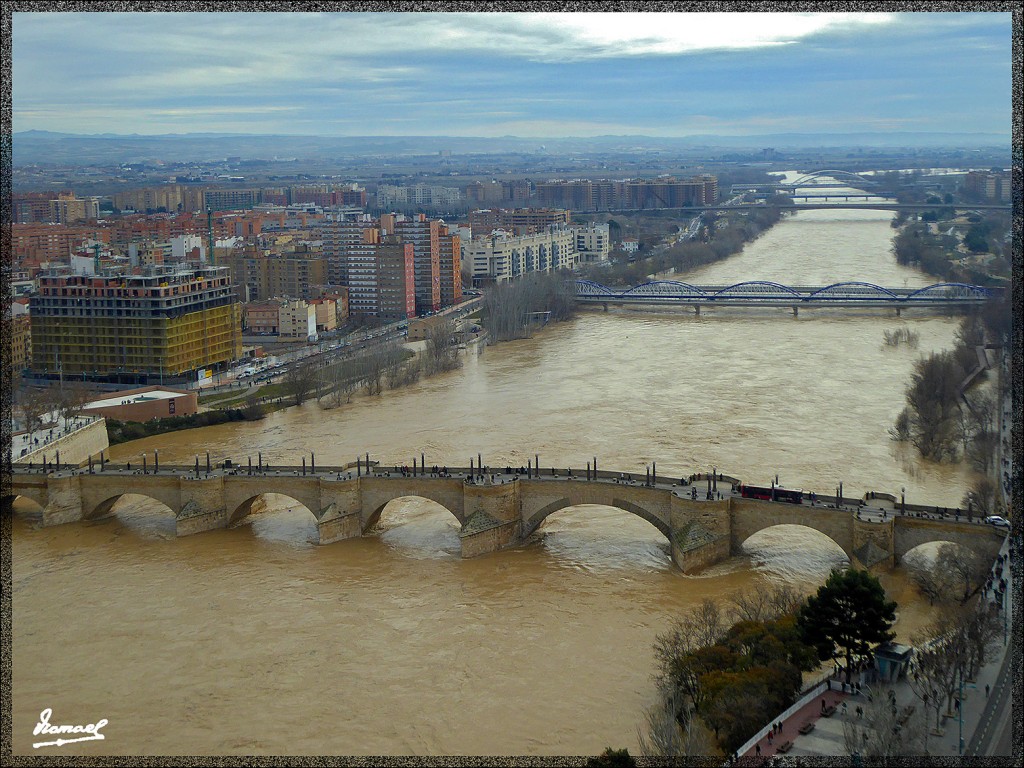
(767,493)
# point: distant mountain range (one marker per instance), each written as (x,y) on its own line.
(49,147)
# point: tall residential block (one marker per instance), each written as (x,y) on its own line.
(166,322)
(451,266)
(425,238)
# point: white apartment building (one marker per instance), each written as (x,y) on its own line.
(297,320)
(592,243)
(502,256)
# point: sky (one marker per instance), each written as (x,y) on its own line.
(511,74)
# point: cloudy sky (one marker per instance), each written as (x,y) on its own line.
(520,74)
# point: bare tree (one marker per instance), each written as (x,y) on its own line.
(73,397)
(300,381)
(982,496)
(764,604)
(879,729)
(672,732)
(442,353)
(253,409)
(340,382)
(32,409)
(934,583)
(939,659)
(967,569)
(981,633)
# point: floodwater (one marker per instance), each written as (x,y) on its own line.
(253,640)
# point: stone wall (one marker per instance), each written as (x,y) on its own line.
(698,558)
(75,448)
(490,540)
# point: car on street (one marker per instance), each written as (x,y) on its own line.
(999,522)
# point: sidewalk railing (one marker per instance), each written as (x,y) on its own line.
(809,695)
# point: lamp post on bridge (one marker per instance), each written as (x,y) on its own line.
(903,500)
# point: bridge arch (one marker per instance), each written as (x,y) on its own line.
(104,508)
(533,522)
(910,533)
(665,288)
(764,288)
(853,290)
(590,288)
(374,517)
(796,547)
(25,505)
(950,290)
(834,174)
(245,509)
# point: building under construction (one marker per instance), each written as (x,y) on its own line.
(165,324)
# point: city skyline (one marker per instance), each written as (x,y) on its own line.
(519,74)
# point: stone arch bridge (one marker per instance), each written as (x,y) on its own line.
(492,515)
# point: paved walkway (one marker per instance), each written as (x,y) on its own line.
(982,707)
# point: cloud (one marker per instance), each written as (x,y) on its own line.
(495,74)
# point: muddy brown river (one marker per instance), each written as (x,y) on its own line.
(253,640)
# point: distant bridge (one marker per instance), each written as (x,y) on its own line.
(870,205)
(763,293)
(498,509)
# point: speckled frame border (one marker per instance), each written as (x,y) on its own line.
(6,218)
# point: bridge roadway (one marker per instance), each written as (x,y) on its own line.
(879,205)
(705,520)
(762,293)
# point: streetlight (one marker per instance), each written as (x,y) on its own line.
(903,500)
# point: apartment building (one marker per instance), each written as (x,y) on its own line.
(296,321)
(450,265)
(502,256)
(520,221)
(229,199)
(602,195)
(425,238)
(169,197)
(991,186)
(167,321)
(21,342)
(593,243)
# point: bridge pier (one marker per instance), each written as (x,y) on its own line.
(202,505)
(332,526)
(493,518)
(64,500)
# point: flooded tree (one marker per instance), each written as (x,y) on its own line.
(442,352)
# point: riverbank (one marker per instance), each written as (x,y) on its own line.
(726,234)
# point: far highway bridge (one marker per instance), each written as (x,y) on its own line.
(868,205)
(762,293)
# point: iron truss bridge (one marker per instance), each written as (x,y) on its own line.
(761,293)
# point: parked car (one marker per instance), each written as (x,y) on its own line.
(999,522)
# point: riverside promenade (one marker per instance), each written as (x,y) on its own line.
(986,707)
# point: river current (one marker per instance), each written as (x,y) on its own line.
(253,640)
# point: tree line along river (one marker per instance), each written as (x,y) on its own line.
(252,640)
